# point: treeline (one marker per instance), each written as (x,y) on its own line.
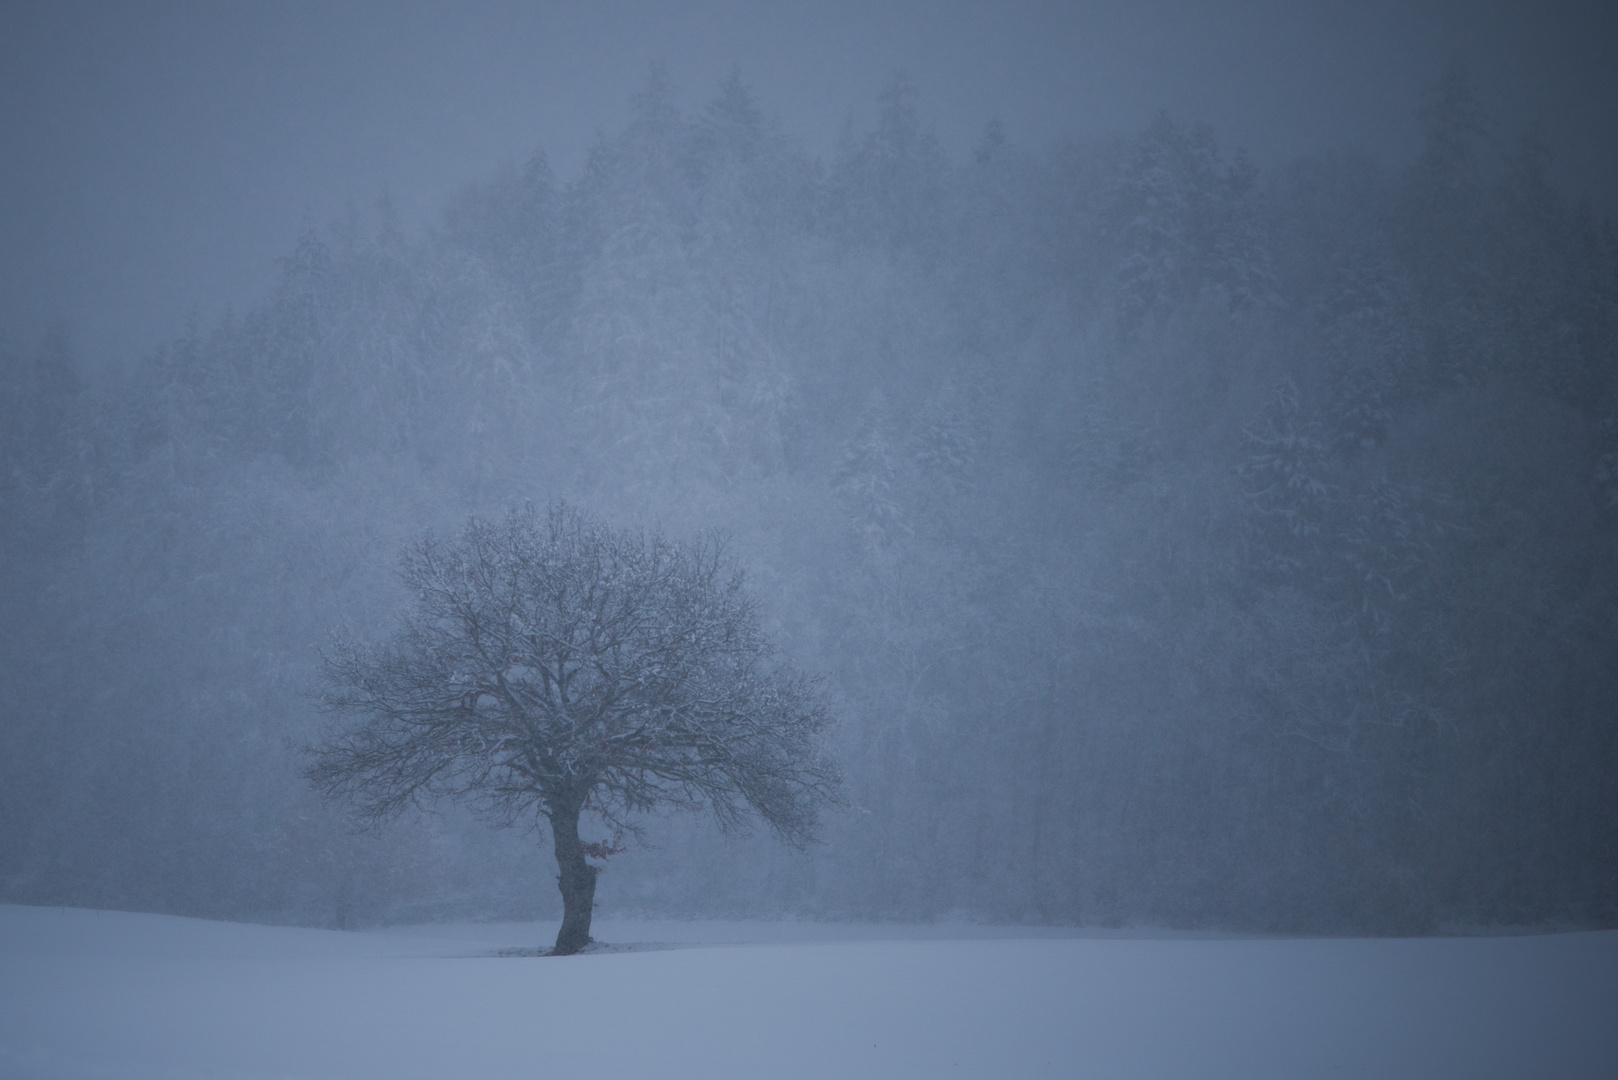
(1184,544)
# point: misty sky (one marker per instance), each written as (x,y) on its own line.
(160,156)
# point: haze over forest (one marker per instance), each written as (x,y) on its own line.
(1184,541)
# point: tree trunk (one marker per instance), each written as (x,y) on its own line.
(577,881)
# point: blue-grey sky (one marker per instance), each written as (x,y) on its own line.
(158,157)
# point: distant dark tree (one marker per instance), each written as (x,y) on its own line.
(1284,480)
(869,473)
(553,665)
(513,225)
(1447,174)
(731,125)
(1185,220)
(892,183)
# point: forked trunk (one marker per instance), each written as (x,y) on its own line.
(577,880)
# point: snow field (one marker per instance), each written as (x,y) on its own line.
(98,996)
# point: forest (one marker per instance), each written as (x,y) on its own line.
(1183,543)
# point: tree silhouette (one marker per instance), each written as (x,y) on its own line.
(553,665)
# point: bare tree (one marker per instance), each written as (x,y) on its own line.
(553,665)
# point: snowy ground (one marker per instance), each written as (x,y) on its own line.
(86,995)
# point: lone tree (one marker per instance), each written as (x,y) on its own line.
(553,665)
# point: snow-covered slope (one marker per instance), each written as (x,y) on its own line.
(112,995)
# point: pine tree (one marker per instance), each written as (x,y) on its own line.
(1284,479)
(891,184)
(868,475)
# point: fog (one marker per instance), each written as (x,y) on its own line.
(161,156)
(1185,437)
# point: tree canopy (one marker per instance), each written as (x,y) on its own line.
(552,664)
